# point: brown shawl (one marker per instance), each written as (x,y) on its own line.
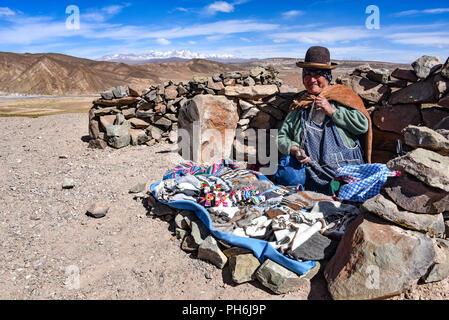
(345,96)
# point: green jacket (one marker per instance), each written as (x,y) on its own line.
(350,124)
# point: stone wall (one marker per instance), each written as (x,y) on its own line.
(401,97)
(395,99)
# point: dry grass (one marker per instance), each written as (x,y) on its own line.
(45,106)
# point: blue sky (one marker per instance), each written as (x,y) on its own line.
(242,28)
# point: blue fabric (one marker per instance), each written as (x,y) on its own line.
(262,250)
(290,173)
(369,179)
(325,147)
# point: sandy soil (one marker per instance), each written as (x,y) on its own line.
(44,232)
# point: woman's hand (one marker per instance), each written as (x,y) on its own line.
(300,155)
(324,104)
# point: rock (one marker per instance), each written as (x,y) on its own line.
(181,222)
(68,183)
(279,279)
(173,137)
(407,75)
(245,105)
(433,224)
(364,68)
(250,113)
(117,102)
(426,65)
(181,234)
(253,93)
(218,86)
(445,70)
(198,79)
(381,156)
(317,247)
(249,82)
(160,109)
(442,126)
(162,122)
(274,112)
(420,92)
(118,136)
(243,268)
(442,86)
(139,123)
(106,121)
(209,250)
(129,113)
(188,244)
(396,118)
(235,251)
(444,102)
(368,90)
(98,210)
(97,144)
(440,270)
(171,92)
(94,129)
(263,121)
(397,83)
(376,260)
(217,118)
(257,71)
(432,116)
(412,195)
(140,187)
(119,92)
(423,137)
(155,133)
(103,111)
(379,75)
(386,141)
(107,95)
(229,82)
(132,92)
(216,77)
(428,166)
(138,137)
(198,231)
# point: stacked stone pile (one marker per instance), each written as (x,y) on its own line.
(400,239)
(122,116)
(401,97)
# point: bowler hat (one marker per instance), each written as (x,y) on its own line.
(317,58)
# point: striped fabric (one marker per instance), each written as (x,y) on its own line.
(190,168)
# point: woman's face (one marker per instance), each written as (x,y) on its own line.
(315,83)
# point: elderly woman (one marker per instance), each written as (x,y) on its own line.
(321,132)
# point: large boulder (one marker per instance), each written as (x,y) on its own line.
(377,260)
(428,166)
(420,92)
(118,136)
(279,279)
(432,116)
(252,93)
(368,90)
(396,118)
(209,123)
(407,75)
(412,195)
(423,137)
(243,267)
(440,270)
(426,65)
(433,224)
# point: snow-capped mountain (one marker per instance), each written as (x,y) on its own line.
(167,56)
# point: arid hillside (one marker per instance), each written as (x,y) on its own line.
(56,74)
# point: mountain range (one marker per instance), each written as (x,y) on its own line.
(58,74)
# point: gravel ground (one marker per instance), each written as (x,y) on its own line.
(46,237)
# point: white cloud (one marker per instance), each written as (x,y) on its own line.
(192,42)
(292,14)
(437,39)
(327,35)
(163,41)
(427,11)
(220,6)
(103,14)
(4,11)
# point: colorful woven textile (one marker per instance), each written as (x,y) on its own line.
(366,181)
(190,168)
